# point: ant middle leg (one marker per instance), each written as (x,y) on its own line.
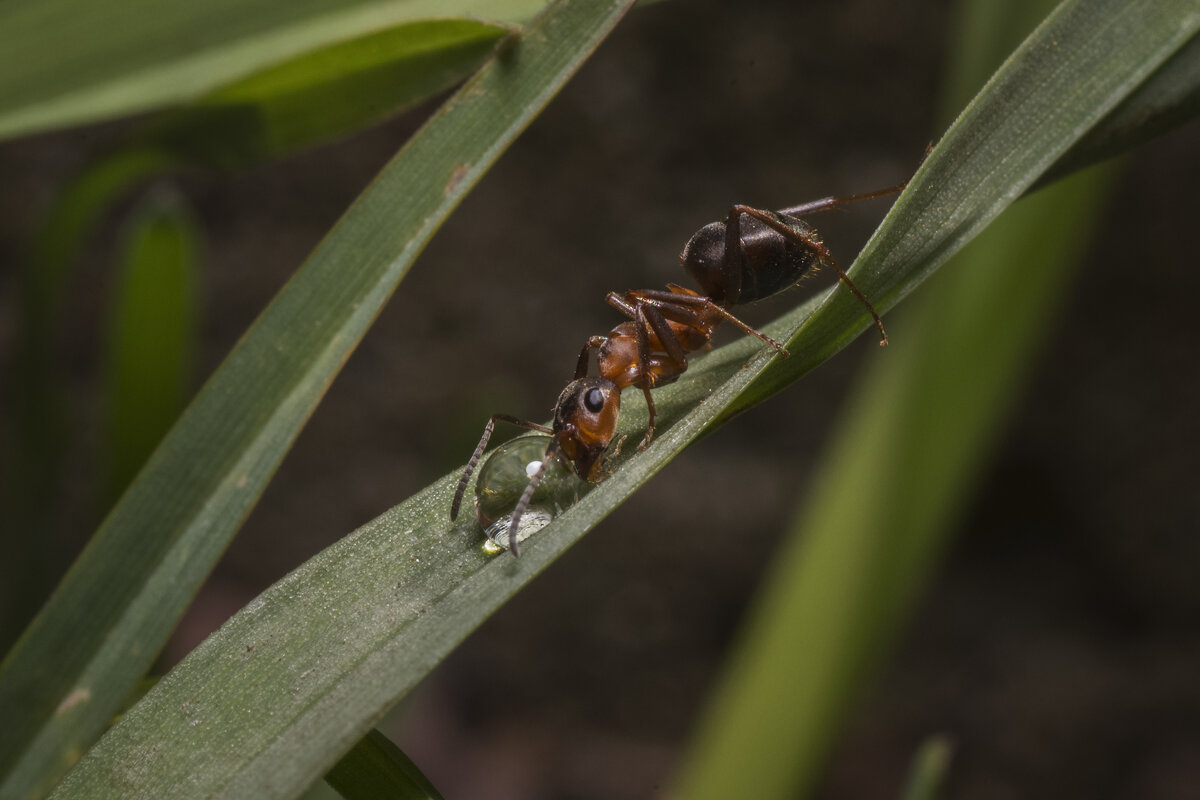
(682,305)
(654,362)
(647,319)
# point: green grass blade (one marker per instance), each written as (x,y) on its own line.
(39,419)
(152,334)
(929,769)
(376,768)
(1169,98)
(65,62)
(325,94)
(109,617)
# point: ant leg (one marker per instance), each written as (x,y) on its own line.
(676,358)
(677,306)
(650,309)
(779,224)
(581,366)
(648,318)
(826,203)
(643,349)
(483,440)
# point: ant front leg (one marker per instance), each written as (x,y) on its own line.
(593,343)
(483,440)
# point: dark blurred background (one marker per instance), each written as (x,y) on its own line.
(1059,645)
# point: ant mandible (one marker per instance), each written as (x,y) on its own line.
(750,256)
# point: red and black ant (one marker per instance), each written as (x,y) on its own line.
(750,256)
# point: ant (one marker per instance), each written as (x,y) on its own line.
(751,255)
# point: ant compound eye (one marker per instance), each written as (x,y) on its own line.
(594,400)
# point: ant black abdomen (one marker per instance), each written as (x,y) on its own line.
(770,262)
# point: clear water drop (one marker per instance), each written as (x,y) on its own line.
(503,478)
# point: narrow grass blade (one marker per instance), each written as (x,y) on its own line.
(109,617)
(152,334)
(929,769)
(65,62)
(376,768)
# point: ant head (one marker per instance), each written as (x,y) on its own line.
(585,420)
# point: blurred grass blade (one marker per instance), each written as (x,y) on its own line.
(120,600)
(39,423)
(152,334)
(929,769)
(325,94)
(376,768)
(919,427)
(66,62)
(320,656)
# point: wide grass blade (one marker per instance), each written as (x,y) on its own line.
(113,611)
(65,62)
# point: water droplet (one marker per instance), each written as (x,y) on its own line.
(531,522)
(502,480)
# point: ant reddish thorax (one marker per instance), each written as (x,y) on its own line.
(749,256)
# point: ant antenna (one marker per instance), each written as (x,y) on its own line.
(527,496)
(474,460)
